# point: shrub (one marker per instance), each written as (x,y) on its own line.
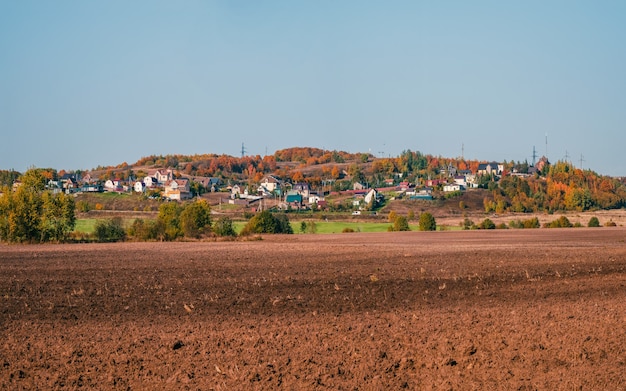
(143,230)
(427,222)
(224,227)
(266,222)
(111,230)
(531,223)
(348,230)
(610,223)
(593,222)
(561,222)
(501,226)
(487,224)
(467,224)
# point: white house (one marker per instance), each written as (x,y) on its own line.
(270,184)
(150,181)
(139,187)
(161,176)
(450,187)
(177,189)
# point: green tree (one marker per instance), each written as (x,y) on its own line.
(427,222)
(169,221)
(58,217)
(195,219)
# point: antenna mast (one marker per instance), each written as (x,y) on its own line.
(243,150)
(534,155)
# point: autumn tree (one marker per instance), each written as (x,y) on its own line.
(427,222)
(31,214)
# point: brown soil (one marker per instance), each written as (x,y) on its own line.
(514,309)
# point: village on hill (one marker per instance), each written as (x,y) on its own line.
(298,179)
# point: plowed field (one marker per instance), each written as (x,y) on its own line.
(475,310)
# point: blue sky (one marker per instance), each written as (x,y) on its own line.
(88,83)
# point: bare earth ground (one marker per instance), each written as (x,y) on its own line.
(472,310)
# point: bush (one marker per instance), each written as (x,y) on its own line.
(593,222)
(347,230)
(610,223)
(143,230)
(501,226)
(561,222)
(111,230)
(467,224)
(531,223)
(267,223)
(487,224)
(427,222)
(224,227)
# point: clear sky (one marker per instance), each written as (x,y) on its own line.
(88,83)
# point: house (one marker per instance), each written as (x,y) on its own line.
(92,188)
(150,182)
(270,184)
(162,176)
(542,163)
(450,187)
(373,196)
(358,186)
(492,168)
(113,185)
(302,189)
(435,182)
(177,189)
(139,187)
(235,190)
(460,180)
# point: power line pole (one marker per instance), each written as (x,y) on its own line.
(582,159)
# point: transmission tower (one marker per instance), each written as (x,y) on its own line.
(582,159)
(243,150)
(534,155)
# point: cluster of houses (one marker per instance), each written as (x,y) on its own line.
(163,180)
(285,194)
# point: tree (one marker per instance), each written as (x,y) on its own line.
(400,224)
(169,221)
(31,214)
(195,219)
(427,222)
(58,217)
(392,216)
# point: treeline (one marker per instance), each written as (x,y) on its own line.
(564,188)
(30,214)
(188,221)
